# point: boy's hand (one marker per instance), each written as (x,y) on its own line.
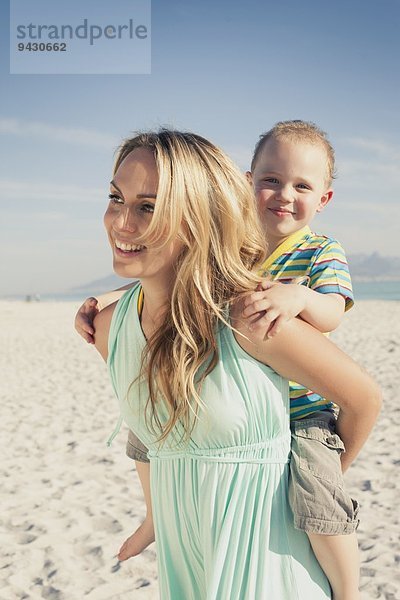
(84,319)
(271,305)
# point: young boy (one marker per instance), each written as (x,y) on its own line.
(291,172)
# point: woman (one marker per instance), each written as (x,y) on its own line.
(209,402)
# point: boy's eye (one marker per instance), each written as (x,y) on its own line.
(114,199)
(271,180)
(303,186)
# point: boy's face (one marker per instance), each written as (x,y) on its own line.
(289,181)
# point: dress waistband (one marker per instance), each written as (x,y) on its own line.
(274,451)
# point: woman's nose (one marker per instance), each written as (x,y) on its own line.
(125,220)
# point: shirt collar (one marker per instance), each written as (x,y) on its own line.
(286,245)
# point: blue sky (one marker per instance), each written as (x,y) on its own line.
(226,70)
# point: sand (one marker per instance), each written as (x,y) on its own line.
(67,501)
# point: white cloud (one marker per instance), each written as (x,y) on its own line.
(69,135)
(371,166)
(368,179)
(367,165)
(378,147)
(380,208)
(36,191)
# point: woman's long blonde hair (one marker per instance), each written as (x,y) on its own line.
(203,198)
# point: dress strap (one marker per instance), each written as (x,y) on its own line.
(120,311)
(116,431)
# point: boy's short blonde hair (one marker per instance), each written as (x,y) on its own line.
(299,131)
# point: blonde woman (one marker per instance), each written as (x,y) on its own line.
(208,400)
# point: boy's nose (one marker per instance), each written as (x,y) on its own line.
(285,194)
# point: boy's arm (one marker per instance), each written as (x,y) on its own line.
(268,309)
(322,311)
(329,293)
(321,304)
(91,307)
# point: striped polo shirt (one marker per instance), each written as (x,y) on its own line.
(322,262)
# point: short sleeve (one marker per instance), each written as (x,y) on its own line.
(329,273)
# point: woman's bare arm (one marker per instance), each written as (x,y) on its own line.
(301,353)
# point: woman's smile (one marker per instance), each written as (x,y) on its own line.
(128,250)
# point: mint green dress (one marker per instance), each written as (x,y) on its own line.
(224,530)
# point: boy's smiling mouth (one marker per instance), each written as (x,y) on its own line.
(281,212)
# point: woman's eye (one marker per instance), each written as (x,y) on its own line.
(114,199)
(148,208)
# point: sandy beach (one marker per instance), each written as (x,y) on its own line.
(68,501)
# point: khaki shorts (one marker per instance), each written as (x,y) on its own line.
(135,449)
(317,495)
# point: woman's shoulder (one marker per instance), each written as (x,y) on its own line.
(243,334)
(102,324)
(109,320)
(294,338)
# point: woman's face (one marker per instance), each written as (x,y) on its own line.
(133,194)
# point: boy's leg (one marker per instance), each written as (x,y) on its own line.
(135,449)
(338,556)
(321,506)
(144,534)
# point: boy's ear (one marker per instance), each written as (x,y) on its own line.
(249,177)
(327,197)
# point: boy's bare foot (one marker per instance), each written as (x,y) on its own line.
(138,541)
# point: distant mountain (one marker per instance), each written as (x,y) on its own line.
(99,286)
(374,267)
(363,267)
